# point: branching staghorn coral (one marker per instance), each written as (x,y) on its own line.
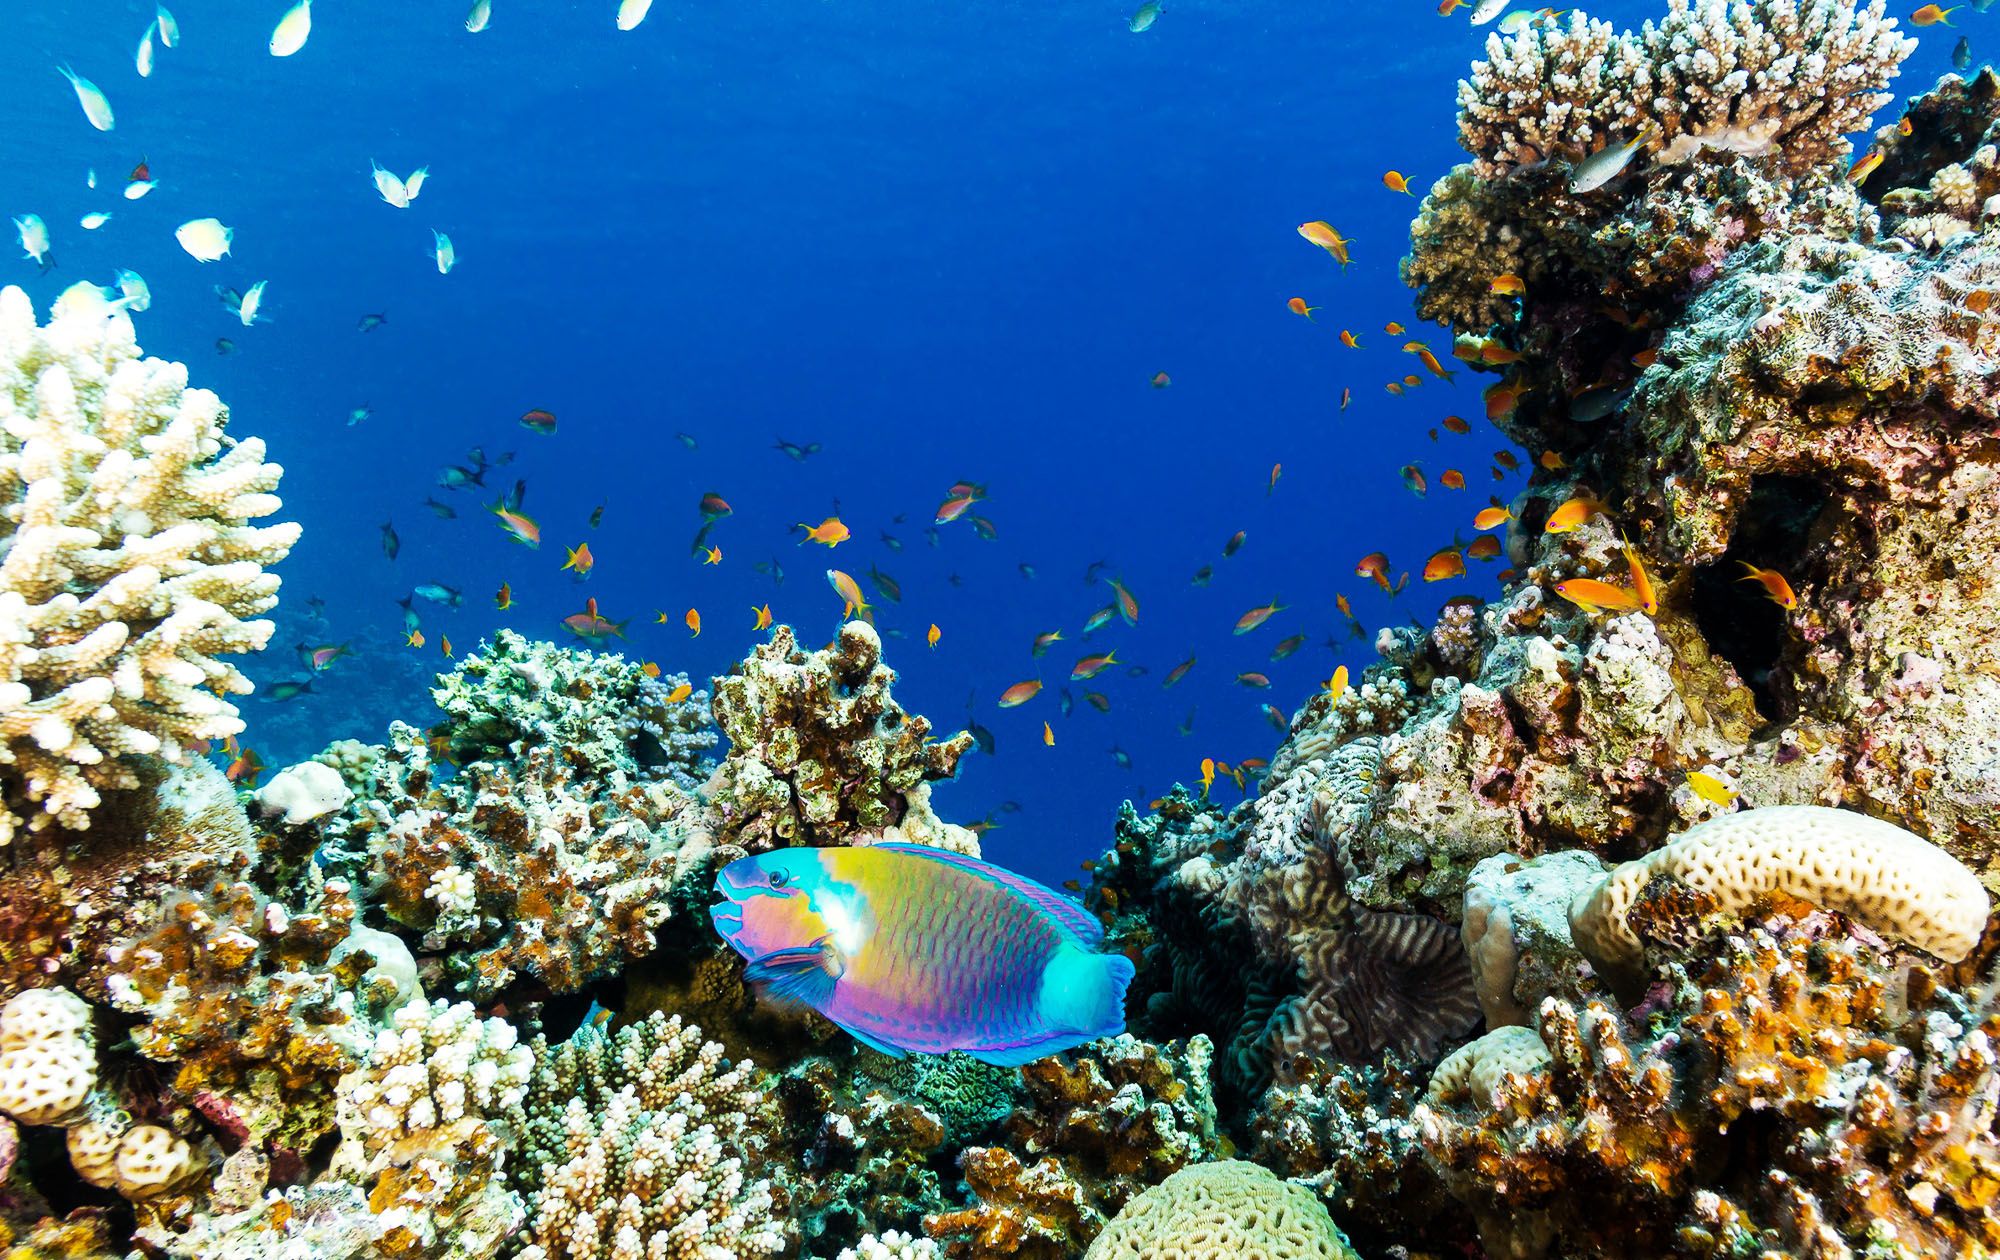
(132,565)
(634,1145)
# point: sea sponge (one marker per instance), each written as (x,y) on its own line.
(1892,880)
(131,565)
(48,1057)
(1231,1208)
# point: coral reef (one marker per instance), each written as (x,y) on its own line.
(132,565)
(820,751)
(634,1145)
(1097,1128)
(1227,1208)
(610,720)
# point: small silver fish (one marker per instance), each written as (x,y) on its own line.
(1605,165)
(482,13)
(1147,14)
(95,107)
(1486,10)
(34,239)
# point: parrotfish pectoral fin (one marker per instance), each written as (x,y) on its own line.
(1070,914)
(874,1043)
(803,973)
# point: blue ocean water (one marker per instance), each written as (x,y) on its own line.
(941,241)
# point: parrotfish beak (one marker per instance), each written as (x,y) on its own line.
(742,881)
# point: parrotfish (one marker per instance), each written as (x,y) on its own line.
(915,949)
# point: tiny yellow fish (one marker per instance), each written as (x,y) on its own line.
(1711,789)
(1864,166)
(1394,182)
(693,621)
(1932,15)
(1048,735)
(830,532)
(680,693)
(712,556)
(415,639)
(1774,584)
(933,635)
(503,599)
(1207,774)
(760,618)
(1336,686)
(1572,514)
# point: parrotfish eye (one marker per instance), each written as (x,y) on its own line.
(779,879)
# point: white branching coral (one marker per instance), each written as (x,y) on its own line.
(1784,78)
(131,566)
(634,1149)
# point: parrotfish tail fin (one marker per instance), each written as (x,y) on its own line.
(1083,993)
(803,974)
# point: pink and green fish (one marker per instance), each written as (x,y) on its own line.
(913,949)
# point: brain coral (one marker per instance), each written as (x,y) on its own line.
(131,565)
(1231,1208)
(1895,882)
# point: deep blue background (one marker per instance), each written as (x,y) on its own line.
(943,240)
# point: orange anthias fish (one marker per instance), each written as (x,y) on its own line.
(1448,563)
(1042,641)
(1048,735)
(1321,233)
(712,556)
(1642,582)
(1774,584)
(1271,487)
(1595,597)
(1491,518)
(1502,399)
(1257,616)
(1552,460)
(1177,673)
(1253,680)
(714,507)
(651,669)
(953,508)
(1506,460)
(829,532)
(1452,479)
(1128,604)
(1484,547)
(1020,693)
(1297,306)
(1456,424)
(414,638)
(521,527)
(680,693)
(692,620)
(1375,564)
(1336,686)
(580,559)
(503,599)
(1572,515)
(1349,340)
(1393,328)
(1394,182)
(245,768)
(1430,360)
(850,593)
(932,635)
(1507,284)
(1932,15)
(760,617)
(914,949)
(1092,666)
(590,626)
(1161,380)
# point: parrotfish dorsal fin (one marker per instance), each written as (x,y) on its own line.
(1070,914)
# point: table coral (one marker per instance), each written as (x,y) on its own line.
(821,752)
(636,1139)
(132,564)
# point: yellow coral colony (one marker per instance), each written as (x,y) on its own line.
(131,565)
(1889,879)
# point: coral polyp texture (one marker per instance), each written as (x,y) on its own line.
(820,751)
(1231,1208)
(133,564)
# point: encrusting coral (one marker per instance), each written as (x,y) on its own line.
(132,565)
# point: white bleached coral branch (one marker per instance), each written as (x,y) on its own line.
(129,565)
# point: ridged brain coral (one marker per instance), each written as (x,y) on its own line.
(131,564)
(1231,1208)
